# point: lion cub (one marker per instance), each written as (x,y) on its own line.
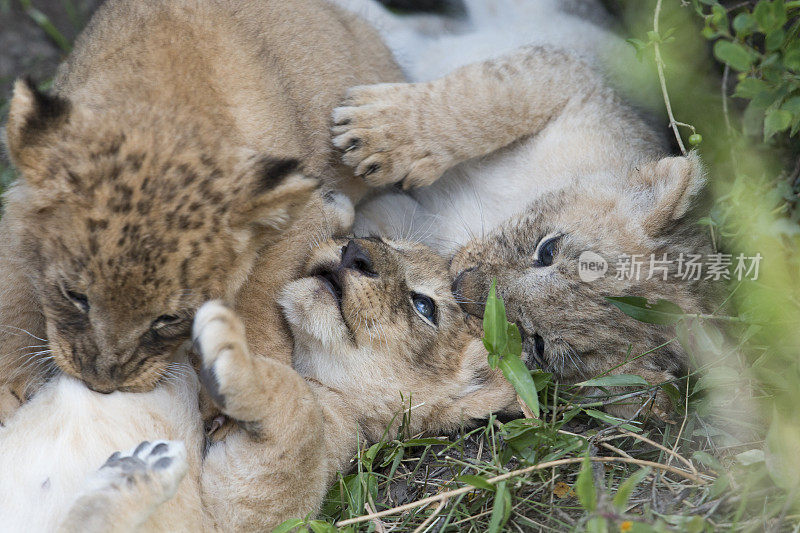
(517,157)
(377,330)
(180,137)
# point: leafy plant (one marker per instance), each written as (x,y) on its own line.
(761,43)
(504,344)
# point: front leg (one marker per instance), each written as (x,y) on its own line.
(413,132)
(24,351)
(272,467)
(128,488)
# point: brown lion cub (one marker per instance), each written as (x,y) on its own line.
(517,162)
(377,331)
(168,155)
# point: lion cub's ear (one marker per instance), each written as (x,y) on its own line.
(270,193)
(32,117)
(666,189)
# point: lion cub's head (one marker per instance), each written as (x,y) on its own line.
(568,326)
(128,228)
(378,321)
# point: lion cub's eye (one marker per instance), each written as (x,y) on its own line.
(546,251)
(165,321)
(425,307)
(81,301)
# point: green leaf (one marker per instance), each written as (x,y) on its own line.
(541,379)
(288,525)
(319,526)
(770,15)
(639,45)
(674,394)
(733,54)
(775,39)
(753,120)
(608,419)
(776,121)
(501,511)
(719,15)
(750,88)
(430,441)
(626,488)
(369,456)
(518,375)
(477,482)
(792,105)
(744,24)
(662,312)
(720,486)
(597,524)
(495,331)
(791,59)
(750,457)
(584,486)
(616,380)
(514,346)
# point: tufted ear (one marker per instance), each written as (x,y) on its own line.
(665,190)
(271,192)
(32,116)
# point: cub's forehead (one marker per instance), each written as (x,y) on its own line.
(121,252)
(422,266)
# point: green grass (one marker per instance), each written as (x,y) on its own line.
(730,460)
(736,437)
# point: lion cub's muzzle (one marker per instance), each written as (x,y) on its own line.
(354,258)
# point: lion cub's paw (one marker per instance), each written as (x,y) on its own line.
(378,129)
(226,370)
(9,403)
(154,470)
(339,212)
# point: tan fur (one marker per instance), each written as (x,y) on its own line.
(157,170)
(358,372)
(581,334)
(555,135)
(412,133)
(247,477)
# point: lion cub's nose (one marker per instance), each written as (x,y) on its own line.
(355,257)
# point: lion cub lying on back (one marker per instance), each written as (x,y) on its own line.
(375,326)
(518,157)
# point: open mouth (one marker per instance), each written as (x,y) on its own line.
(331,280)
(533,345)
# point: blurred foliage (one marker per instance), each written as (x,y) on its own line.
(761,44)
(746,104)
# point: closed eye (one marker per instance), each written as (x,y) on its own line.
(79,300)
(169,325)
(424,307)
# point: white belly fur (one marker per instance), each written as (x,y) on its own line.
(66,432)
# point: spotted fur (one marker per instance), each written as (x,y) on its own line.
(180,138)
